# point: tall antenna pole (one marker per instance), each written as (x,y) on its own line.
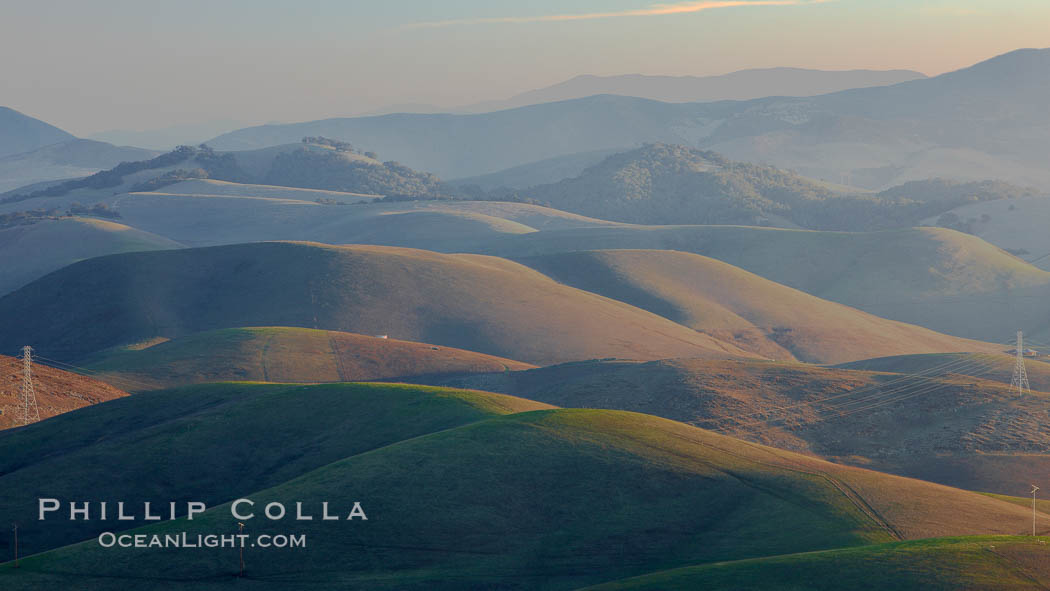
(16,545)
(1034,488)
(240,528)
(1020,377)
(30,411)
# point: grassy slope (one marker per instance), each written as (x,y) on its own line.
(953,429)
(30,252)
(213,443)
(737,306)
(552,499)
(471,302)
(283,354)
(979,563)
(56,391)
(941,279)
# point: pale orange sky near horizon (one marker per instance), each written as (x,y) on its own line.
(126,64)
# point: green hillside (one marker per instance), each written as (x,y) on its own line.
(34,250)
(482,304)
(941,279)
(212,443)
(736,306)
(283,354)
(997,563)
(547,500)
(938,424)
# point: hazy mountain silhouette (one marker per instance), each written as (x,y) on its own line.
(991,120)
(740,85)
(22,133)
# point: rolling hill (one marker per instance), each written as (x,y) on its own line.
(673,184)
(740,85)
(941,279)
(940,424)
(205,213)
(34,250)
(1015,224)
(985,121)
(56,391)
(989,563)
(315,163)
(472,302)
(282,354)
(21,133)
(550,499)
(739,307)
(182,438)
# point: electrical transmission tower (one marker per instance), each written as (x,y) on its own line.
(1020,378)
(29,410)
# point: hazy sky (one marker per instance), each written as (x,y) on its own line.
(94,65)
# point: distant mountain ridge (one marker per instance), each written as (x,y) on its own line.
(986,121)
(740,85)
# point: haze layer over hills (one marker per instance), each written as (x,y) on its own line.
(741,85)
(880,136)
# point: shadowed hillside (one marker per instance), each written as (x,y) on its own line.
(471,302)
(736,306)
(214,443)
(31,251)
(281,354)
(555,500)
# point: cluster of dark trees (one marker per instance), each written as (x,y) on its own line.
(339,146)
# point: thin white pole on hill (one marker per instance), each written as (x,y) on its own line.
(16,545)
(1034,488)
